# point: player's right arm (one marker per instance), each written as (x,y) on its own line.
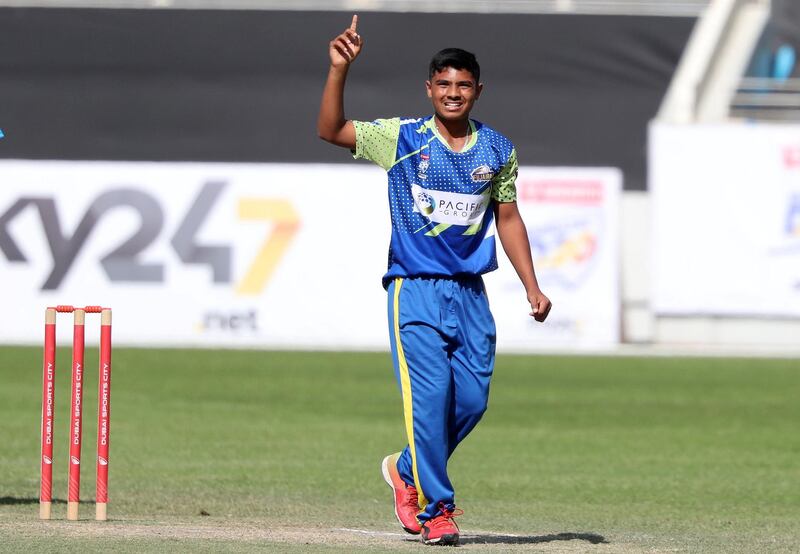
(331,124)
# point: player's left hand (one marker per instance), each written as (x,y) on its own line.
(540,305)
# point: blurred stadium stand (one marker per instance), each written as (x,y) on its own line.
(770,89)
(740,63)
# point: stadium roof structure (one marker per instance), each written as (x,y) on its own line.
(676,8)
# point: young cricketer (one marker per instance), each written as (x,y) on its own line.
(451,183)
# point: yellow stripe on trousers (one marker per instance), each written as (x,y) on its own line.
(405,386)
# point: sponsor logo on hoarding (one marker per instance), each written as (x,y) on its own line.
(791,157)
(565,252)
(584,192)
(123,263)
(792,226)
(789,243)
(559,327)
(229,321)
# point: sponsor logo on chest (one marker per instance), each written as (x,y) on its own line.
(449,207)
(482,174)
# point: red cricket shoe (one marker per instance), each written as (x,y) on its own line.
(406,506)
(442,529)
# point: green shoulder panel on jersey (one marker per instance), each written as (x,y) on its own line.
(377,141)
(504,187)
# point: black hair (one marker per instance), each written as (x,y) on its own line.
(457,59)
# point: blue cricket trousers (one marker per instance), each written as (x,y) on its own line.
(443,346)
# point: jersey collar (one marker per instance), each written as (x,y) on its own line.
(473,135)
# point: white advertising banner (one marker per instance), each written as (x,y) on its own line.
(273,255)
(198,254)
(726,219)
(572,218)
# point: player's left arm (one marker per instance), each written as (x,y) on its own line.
(514,237)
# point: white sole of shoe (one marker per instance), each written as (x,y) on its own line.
(388,479)
(444,540)
(385,471)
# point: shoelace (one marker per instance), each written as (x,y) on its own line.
(411,497)
(444,518)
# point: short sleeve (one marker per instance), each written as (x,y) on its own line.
(377,141)
(504,187)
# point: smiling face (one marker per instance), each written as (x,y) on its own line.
(453,92)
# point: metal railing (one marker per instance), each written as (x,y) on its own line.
(767,99)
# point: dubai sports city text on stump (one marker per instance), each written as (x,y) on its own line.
(76,409)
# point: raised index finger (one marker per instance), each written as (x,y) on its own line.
(354,23)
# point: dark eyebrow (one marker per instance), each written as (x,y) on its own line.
(447,82)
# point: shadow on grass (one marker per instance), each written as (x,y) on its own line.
(532,539)
(14,501)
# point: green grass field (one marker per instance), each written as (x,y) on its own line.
(277,451)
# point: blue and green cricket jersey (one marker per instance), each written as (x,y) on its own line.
(440,200)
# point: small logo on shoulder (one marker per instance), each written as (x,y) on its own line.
(482,173)
(423,166)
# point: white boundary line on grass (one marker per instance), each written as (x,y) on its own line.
(372,533)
